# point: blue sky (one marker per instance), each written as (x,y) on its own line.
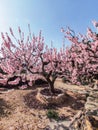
(48,16)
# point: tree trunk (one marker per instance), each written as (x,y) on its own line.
(51,87)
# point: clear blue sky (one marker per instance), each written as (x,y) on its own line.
(48,16)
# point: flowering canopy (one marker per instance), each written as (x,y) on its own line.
(77,63)
(82,56)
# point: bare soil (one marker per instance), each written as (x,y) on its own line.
(20,110)
(47,92)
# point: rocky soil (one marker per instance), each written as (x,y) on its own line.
(88,118)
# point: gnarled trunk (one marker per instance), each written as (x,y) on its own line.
(51,87)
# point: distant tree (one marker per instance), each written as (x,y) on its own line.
(82,56)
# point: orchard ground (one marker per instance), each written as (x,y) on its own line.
(19,109)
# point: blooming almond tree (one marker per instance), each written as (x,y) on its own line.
(32,55)
(82,56)
(50,64)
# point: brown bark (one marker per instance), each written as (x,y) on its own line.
(51,87)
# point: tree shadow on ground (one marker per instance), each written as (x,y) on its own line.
(75,102)
(5,109)
(31,101)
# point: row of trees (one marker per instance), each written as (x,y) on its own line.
(78,63)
